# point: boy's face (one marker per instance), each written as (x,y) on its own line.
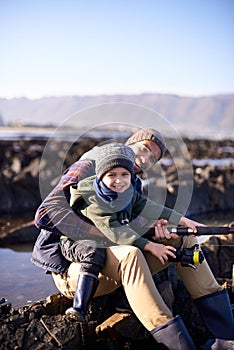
(147,154)
(117,179)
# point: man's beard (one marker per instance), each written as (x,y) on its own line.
(137,170)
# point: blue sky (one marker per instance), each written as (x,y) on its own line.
(91,47)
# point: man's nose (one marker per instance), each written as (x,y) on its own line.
(143,159)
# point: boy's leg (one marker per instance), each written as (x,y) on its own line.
(92,259)
(85,289)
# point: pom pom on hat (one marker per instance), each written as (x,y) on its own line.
(114,155)
(149,135)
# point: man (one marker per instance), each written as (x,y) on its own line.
(126,265)
(55,217)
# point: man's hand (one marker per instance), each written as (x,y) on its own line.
(190,223)
(161,231)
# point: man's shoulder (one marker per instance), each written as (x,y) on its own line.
(78,170)
(86,184)
(90,155)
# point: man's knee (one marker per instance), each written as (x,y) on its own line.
(133,256)
(189,241)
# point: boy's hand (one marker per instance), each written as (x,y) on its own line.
(160,251)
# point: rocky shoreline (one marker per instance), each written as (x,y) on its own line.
(20,161)
(43,325)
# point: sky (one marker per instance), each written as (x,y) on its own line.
(93,47)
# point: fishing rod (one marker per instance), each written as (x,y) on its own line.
(203,230)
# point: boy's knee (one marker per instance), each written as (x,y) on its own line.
(99,256)
(94,260)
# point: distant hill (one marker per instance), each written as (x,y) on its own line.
(187,113)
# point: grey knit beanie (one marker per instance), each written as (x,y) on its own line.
(149,135)
(114,155)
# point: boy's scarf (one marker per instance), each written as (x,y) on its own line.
(115,201)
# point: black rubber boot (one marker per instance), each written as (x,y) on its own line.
(174,335)
(216,313)
(85,290)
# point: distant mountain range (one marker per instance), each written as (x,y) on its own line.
(207,114)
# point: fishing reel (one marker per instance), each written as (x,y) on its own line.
(188,257)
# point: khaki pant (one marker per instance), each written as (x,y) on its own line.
(129,267)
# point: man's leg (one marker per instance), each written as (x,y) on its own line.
(126,266)
(212,302)
(198,282)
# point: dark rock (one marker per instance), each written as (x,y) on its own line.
(22,233)
(219,252)
(43,325)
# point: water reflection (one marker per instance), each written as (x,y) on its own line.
(21,281)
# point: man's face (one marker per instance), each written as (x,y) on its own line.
(147,154)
